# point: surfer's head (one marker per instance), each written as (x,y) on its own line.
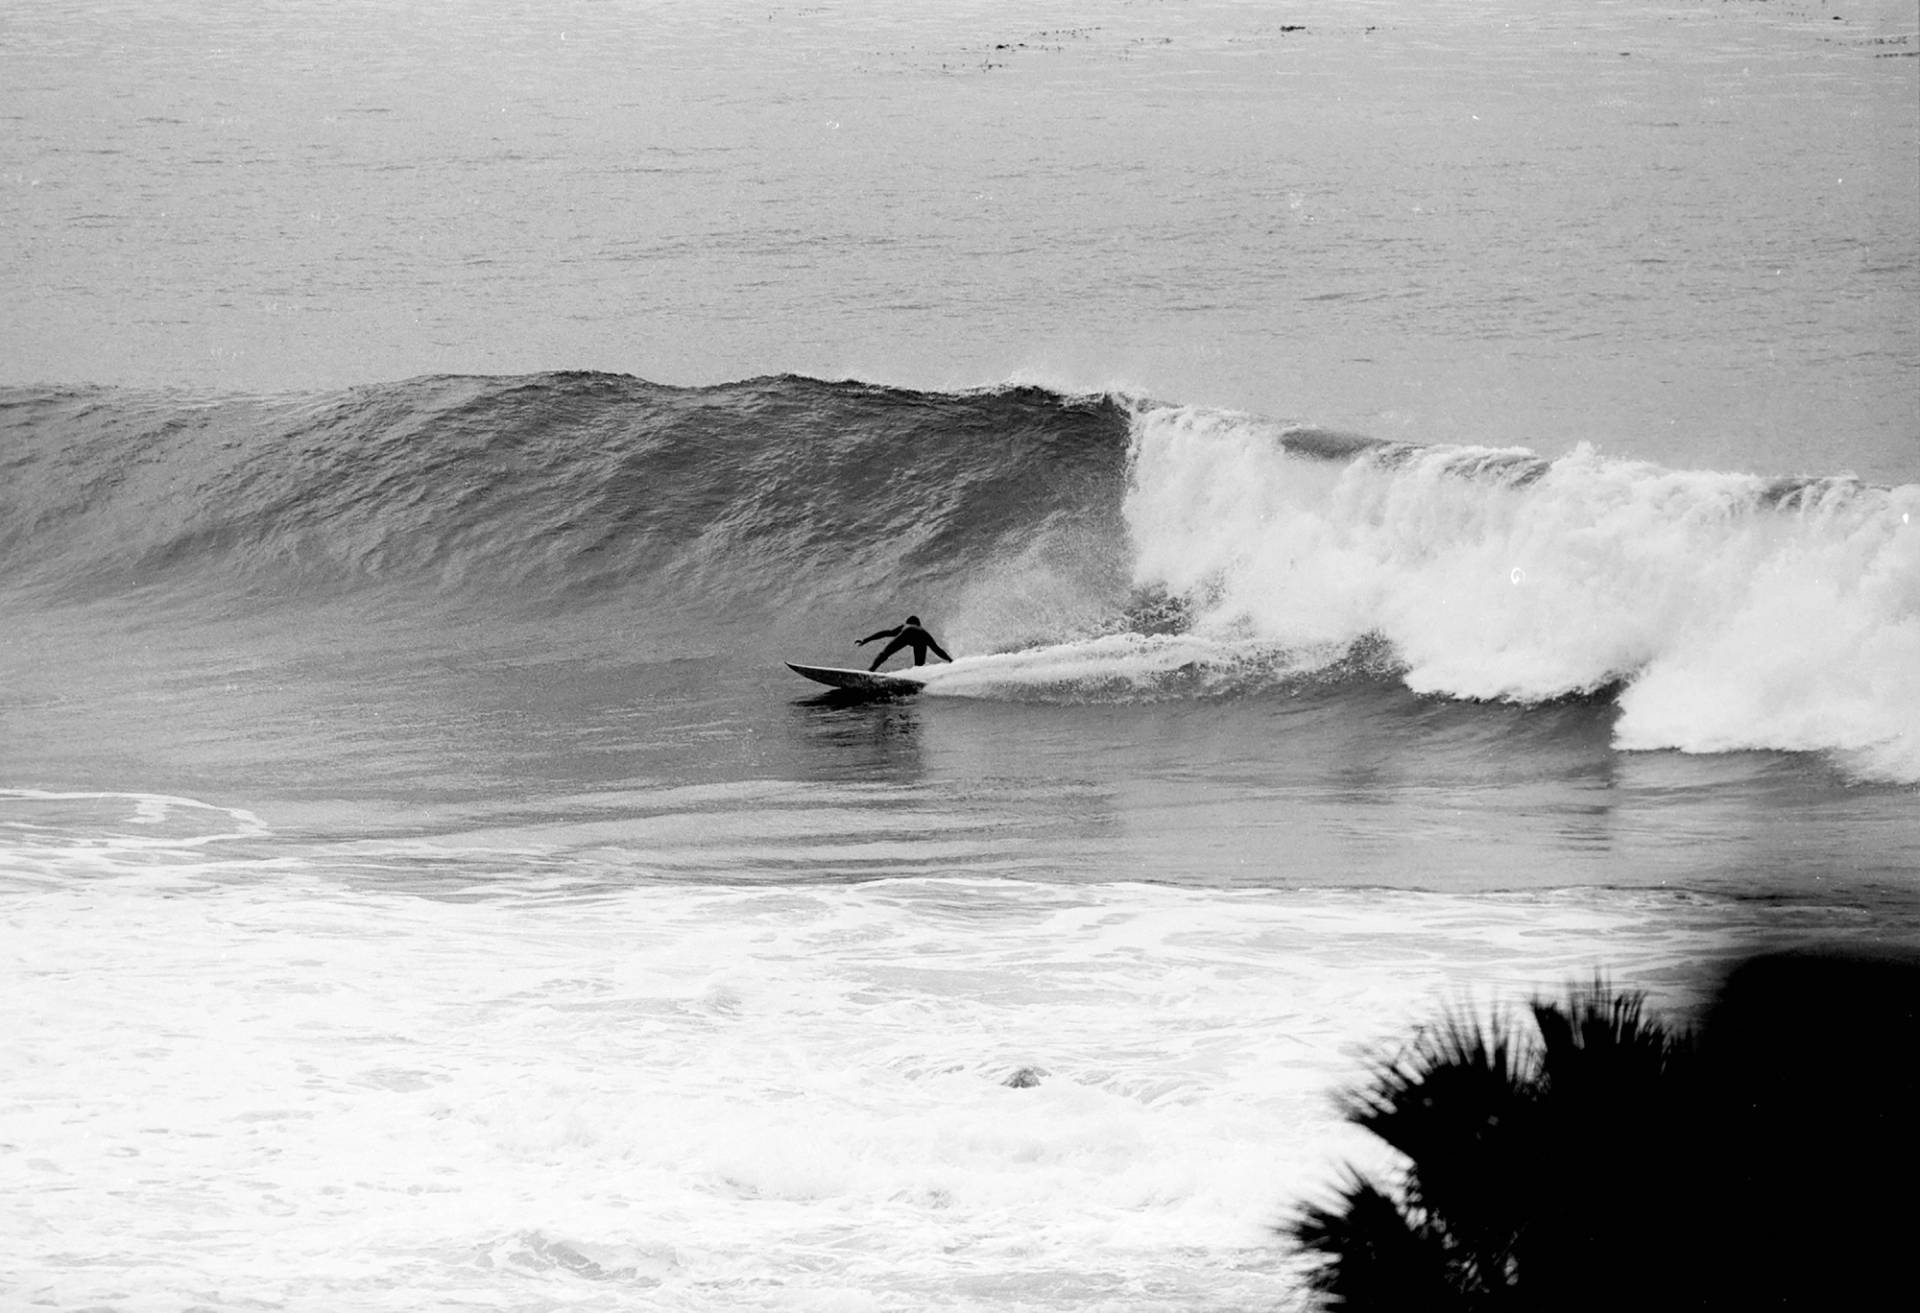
(913,619)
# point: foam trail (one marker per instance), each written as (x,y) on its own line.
(1127,667)
(1746,613)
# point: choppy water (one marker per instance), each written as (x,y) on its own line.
(1423,504)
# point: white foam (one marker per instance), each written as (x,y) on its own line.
(295,1093)
(1746,617)
(1123,666)
(53,836)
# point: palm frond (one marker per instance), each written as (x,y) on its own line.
(1370,1253)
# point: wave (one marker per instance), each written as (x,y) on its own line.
(1096,547)
(548,490)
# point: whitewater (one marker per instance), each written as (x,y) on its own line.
(1730,611)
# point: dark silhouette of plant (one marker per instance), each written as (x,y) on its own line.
(1609,1161)
(1523,1153)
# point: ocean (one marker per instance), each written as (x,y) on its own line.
(1421,498)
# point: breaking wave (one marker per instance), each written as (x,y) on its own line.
(1091,547)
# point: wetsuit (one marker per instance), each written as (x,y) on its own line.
(908,635)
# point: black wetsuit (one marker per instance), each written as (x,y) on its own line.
(907,635)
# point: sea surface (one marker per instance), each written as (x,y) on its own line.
(1422,496)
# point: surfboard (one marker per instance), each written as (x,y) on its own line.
(860,681)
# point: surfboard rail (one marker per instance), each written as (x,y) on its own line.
(861,681)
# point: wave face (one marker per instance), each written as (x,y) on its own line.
(554,489)
(1074,547)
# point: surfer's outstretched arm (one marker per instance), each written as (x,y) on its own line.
(884,633)
(940,652)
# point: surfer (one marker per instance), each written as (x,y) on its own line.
(908,635)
